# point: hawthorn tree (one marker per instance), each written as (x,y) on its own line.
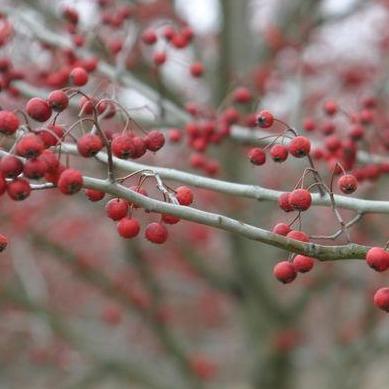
(285,133)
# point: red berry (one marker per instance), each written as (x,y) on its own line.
(35,169)
(284,271)
(299,147)
(348,183)
(51,135)
(11,166)
(302,263)
(279,153)
(116,209)
(89,145)
(378,259)
(170,219)
(38,109)
(283,202)
(300,199)
(30,146)
(281,229)
(242,95)
(159,58)
(175,135)
(149,37)
(184,195)
(140,147)
(50,159)
(309,125)
(155,140)
(3,242)
(330,108)
(9,122)
(58,100)
(94,195)
(123,147)
(265,119)
(257,156)
(19,189)
(128,228)
(196,69)
(70,181)
(179,41)
(168,33)
(298,235)
(381,299)
(156,233)
(79,76)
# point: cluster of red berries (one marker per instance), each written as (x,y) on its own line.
(378,259)
(128,227)
(286,271)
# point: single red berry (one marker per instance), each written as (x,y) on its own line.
(265,119)
(196,69)
(35,169)
(168,33)
(3,242)
(204,368)
(116,209)
(9,122)
(309,124)
(70,181)
(175,135)
(300,199)
(279,153)
(378,259)
(381,299)
(281,229)
(94,195)
(149,37)
(184,195)
(123,147)
(283,202)
(159,58)
(298,235)
(30,146)
(58,100)
(170,219)
(366,116)
(128,227)
(50,160)
(302,263)
(89,145)
(242,95)
(328,128)
(299,147)
(257,156)
(86,105)
(51,135)
(38,109)
(285,272)
(79,77)
(333,143)
(18,189)
(348,183)
(330,108)
(140,147)
(155,140)
(11,166)
(179,41)
(356,132)
(156,233)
